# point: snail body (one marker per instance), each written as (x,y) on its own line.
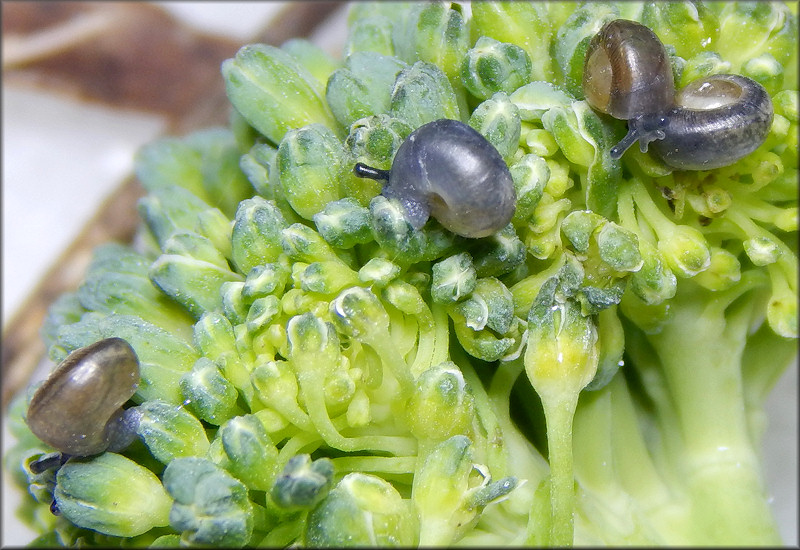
(78,408)
(712,122)
(447,170)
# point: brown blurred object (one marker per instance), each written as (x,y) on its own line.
(129,55)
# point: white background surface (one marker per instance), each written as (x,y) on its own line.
(61,158)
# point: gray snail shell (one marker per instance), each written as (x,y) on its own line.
(710,123)
(448,170)
(77,410)
(717,120)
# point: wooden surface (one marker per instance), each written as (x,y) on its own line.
(105,35)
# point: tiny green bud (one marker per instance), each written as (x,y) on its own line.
(530,175)
(422,94)
(211,507)
(208,393)
(765,70)
(111,494)
(654,282)
(497,119)
(370,34)
(685,250)
(441,404)
(273,92)
(363,86)
(301,243)
(619,248)
(761,250)
(213,335)
(535,99)
(540,142)
(303,483)
(492,66)
(453,278)
(327,277)
(252,455)
(261,313)
(611,344)
(723,272)
(361,509)
(489,305)
(309,161)
(379,271)
(170,431)
(192,245)
(357,312)
(344,223)
(194,284)
(497,254)
(167,210)
(255,239)
(234,305)
(265,280)
(311,57)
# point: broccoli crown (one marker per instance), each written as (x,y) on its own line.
(316,370)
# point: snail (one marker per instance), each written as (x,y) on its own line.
(78,409)
(447,170)
(712,122)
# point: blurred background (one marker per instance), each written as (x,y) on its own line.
(84,85)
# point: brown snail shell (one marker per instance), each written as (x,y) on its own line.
(77,410)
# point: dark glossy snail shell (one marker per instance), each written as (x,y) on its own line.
(448,170)
(77,410)
(716,121)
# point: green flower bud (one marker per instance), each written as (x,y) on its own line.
(274,92)
(372,141)
(213,335)
(344,223)
(265,280)
(422,94)
(579,226)
(482,343)
(194,284)
(654,282)
(169,161)
(562,354)
(521,23)
(211,507)
(453,278)
(782,313)
(489,305)
(611,345)
(785,103)
(363,86)
(535,99)
(260,168)
(276,386)
(492,66)
(261,313)
(530,175)
(765,70)
(685,250)
(111,494)
(234,305)
(619,248)
(540,142)
(209,394)
(361,510)
(761,250)
(252,455)
(370,34)
(311,337)
(450,492)
(170,431)
(378,271)
(301,243)
(701,65)
(406,298)
(303,483)
(562,124)
(167,210)
(747,30)
(723,272)
(497,254)
(497,119)
(216,227)
(309,161)
(311,57)
(441,404)
(327,277)
(192,245)
(688,27)
(357,312)
(255,239)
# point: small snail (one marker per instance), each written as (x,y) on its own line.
(712,122)
(448,170)
(78,408)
